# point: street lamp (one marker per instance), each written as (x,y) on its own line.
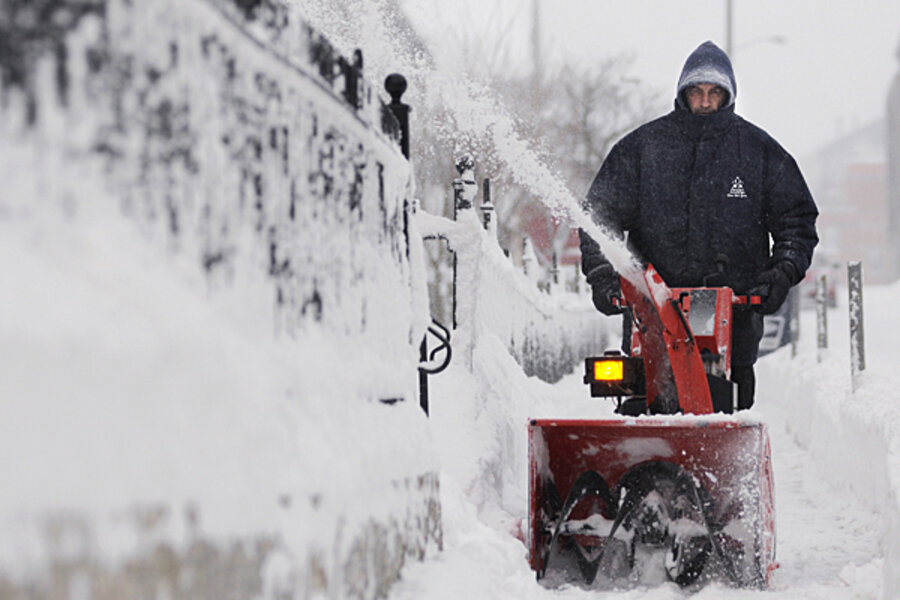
(777,39)
(730,49)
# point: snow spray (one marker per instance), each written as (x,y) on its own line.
(474,110)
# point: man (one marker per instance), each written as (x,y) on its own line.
(699,192)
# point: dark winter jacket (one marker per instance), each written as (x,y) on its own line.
(699,196)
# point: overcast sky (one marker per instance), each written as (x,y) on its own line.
(831,74)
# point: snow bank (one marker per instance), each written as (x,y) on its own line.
(855,437)
(511,340)
(210,297)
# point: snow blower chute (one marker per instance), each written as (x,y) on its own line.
(668,489)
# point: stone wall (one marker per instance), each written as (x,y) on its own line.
(367,556)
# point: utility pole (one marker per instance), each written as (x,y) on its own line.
(536,51)
(728,28)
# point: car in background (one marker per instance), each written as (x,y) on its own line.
(779,328)
(822,264)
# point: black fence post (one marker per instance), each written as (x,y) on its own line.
(352,73)
(487,207)
(395,85)
(423,374)
(464,190)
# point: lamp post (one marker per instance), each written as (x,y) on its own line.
(728,28)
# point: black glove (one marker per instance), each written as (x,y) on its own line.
(773,285)
(604,282)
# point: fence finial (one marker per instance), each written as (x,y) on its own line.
(395,85)
(464,188)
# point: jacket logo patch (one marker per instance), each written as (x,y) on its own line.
(737,189)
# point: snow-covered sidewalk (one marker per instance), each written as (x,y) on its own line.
(831,516)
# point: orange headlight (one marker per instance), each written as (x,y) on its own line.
(609,370)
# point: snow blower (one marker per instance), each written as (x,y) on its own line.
(676,487)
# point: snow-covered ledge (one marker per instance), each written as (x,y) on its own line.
(209,291)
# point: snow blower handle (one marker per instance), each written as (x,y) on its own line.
(747,299)
(754,300)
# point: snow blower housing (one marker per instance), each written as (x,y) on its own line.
(669,489)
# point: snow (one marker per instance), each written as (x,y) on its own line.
(125,381)
(118,370)
(473,113)
(833,450)
(135,388)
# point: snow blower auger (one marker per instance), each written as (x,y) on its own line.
(668,489)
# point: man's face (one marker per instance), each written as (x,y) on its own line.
(705,98)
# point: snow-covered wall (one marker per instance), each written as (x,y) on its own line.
(209,289)
(507,327)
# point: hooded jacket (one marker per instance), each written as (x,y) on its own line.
(700,196)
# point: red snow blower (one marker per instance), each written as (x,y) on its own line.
(668,489)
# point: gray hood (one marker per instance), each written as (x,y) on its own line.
(707,64)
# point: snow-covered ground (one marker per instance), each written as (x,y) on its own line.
(834,452)
(832,511)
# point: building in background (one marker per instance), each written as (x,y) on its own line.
(893,167)
(848,179)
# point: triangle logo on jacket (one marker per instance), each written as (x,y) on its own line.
(737,189)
